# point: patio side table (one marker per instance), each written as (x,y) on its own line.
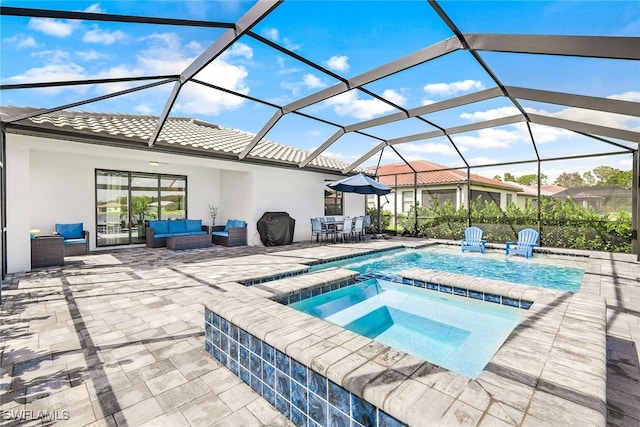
(47,251)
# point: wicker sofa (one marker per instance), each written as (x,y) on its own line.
(234,233)
(76,238)
(158,231)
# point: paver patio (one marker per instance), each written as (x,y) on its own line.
(116,338)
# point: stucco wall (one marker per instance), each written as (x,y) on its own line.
(51,181)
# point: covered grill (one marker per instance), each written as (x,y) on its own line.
(276,228)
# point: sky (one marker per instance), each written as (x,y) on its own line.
(347,38)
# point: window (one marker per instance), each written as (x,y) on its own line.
(428,196)
(485,196)
(407,200)
(509,198)
(126,201)
(332,202)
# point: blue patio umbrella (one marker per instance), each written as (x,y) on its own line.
(360,184)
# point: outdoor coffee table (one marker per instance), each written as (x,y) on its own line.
(189,242)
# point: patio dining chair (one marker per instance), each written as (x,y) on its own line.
(358,227)
(346,230)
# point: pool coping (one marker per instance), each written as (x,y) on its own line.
(551,369)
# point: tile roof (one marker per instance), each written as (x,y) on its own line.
(387,174)
(186,133)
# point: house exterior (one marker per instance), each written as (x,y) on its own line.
(603,199)
(98,169)
(436,181)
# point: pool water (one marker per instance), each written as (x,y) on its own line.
(458,334)
(542,270)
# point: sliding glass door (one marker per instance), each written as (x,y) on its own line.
(126,201)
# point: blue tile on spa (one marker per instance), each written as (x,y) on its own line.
(208,331)
(256,345)
(299,372)
(386,420)
(233,332)
(216,321)
(299,396)
(233,349)
(283,406)
(298,417)
(245,338)
(224,325)
(269,395)
(215,337)
(234,367)
(244,357)
(256,384)
(283,384)
(338,418)
(268,353)
(269,374)
(245,375)
(283,362)
(318,409)
(224,343)
(363,411)
(255,365)
(339,397)
(317,383)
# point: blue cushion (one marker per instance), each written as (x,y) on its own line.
(159,227)
(229,225)
(187,233)
(194,225)
(221,233)
(74,241)
(241,224)
(178,226)
(161,235)
(70,231)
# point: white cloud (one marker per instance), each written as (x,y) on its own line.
(274,35)
(103,36)
(194,46)
(52,73)
(348,104)
(489,138)
(494,113)
(238,50)
(22,41)
(52,27)
(482,160)
(338,63)
(312,82)
(143,109)
(90,55)
(95,8)
(453,88)
(429,148)
(633,96)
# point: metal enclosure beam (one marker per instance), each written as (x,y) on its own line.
(579,101)
(584,46)
(244,24)
(625,135)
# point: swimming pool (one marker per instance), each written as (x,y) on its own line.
(455,333)
(562,273)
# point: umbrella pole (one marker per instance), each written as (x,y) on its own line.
(379,215)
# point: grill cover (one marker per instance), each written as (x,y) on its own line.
(276,228)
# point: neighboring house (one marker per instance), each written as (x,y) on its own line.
(529,193)
(98,169)
(603,199)
(432,181)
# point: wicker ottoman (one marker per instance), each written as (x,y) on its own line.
(47,251)
(189,242)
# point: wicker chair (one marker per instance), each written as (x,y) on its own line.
(76,239)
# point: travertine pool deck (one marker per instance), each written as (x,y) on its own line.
(116,338)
